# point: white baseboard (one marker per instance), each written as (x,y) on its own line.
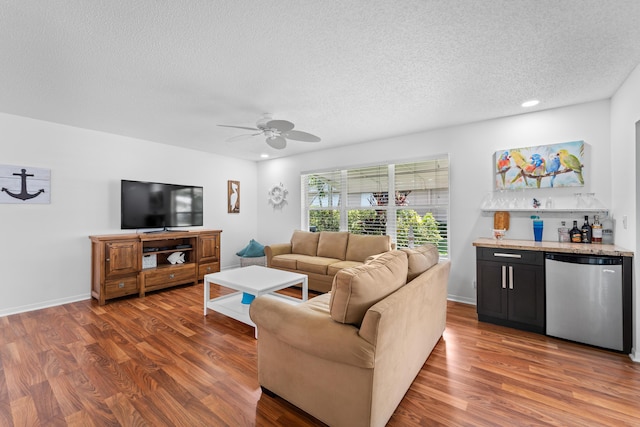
(44,304)
(463,300)
(634,356)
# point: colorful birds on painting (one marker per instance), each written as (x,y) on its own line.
(569,161)
(538,163)
(542,162)
(553,166)
(504,164)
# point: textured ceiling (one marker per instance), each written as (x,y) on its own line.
(350,71)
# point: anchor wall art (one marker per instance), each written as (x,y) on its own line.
(25,185)
(544,166)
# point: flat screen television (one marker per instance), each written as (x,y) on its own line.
(157,205)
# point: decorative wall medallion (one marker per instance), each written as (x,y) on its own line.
(20,184)
(278,195)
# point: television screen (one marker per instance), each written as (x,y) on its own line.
(156,205)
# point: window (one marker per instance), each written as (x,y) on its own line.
(357,200)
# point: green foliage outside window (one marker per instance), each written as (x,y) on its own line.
(324,220)
(369,221)
(425,229)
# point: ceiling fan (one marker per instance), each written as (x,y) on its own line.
(276,131)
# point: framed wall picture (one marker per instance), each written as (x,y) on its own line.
(25,185)
(233,196)
(543,166)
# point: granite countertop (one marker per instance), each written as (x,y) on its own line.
(571,248)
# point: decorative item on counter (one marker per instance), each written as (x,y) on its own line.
(501,220)
(499,234)
(596,230)
(537,228)
(607,230)
(563,233)
(500,224)
(586,230)
(536,203)
(574,234)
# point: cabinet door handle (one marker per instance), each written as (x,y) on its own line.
(108,260)
(504,277)
(510,277)
(502,255)
(171,276)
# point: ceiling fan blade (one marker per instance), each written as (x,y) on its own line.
(241,137)
(277,142)
(300,136)
(238,127)
(280,125)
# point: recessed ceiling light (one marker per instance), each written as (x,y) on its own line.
(264,156)
(531,103)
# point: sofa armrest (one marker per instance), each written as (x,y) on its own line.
(278,249)
(311,331)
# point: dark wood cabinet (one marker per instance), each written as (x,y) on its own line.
(118,269)
(510,288)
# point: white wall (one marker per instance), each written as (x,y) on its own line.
(471,148)
(625,113)
(45,249)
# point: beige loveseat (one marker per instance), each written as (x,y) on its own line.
(348,357)
(321,255)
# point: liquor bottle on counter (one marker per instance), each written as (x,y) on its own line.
(563,233)
(596,230)
(575,234)
(586,230)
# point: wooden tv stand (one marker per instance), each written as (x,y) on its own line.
(129,264)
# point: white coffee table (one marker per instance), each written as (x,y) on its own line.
(255,280)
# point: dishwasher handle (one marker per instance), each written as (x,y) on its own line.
(584,259)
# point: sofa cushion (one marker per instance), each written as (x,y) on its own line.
(356,289)
(288,261)
(315,264)
(333,244)
(421,259)
(360,247)
(304,242)
(340,265)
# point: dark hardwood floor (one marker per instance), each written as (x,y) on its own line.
(158,361)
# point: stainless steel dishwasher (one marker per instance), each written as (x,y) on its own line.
(584,299)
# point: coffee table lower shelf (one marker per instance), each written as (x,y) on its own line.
(231,306)
(255,280)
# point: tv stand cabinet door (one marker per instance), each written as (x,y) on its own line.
(209,247)
(122,258)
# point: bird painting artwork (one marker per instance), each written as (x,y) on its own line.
(545,166)
(233,196)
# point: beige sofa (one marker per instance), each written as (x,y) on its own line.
(348,357)
(321,255)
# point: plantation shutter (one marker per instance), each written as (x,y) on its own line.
(422,203)
(407,201)
(368,200)
(322,199)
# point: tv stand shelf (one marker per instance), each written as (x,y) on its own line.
(117,267)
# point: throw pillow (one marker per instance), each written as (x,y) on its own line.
(421,259)
(356,289)
(304,243)
(252,250)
